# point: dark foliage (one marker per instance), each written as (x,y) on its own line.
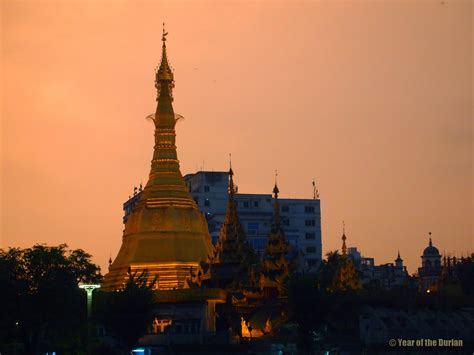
(42,306)
(465,273)
(127,313)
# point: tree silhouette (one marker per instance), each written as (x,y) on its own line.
(127,313)
(42,306)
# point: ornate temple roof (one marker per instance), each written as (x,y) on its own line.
(275,263)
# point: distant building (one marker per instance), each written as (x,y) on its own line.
(387,276)
(430,270)
(301,218)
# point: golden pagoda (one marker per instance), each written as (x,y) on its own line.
(165,233)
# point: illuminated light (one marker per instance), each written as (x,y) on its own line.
(139,350)
(89,288)
(428,291)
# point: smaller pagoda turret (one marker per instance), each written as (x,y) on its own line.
(275,267)
(346,276)
(230,265)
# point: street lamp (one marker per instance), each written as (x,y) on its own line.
(89,289)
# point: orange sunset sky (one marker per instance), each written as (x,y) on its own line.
(373,100)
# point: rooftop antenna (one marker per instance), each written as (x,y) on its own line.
(315,191)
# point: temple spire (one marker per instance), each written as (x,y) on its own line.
(232,245)
(275,264)
(164,72)
(164,83)
(398,260)
(344,247)
(232,189)
(430,243)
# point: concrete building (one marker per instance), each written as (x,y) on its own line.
(301,218)
(387,276)
(430,269)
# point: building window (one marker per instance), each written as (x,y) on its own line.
(293,240)
(285,208)
(286,222)
(206,188)
(255,203)
(246,204)
(309,209)
(207,203)
(311,250)
(310,223)
(252,228)
(310,236)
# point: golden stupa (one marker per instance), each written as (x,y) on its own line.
(165,234)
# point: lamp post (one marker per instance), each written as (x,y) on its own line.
(89,289)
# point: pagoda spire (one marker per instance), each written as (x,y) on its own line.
(164,74)
(165,186)
(232,189)
(344,247)
(276,205)
(275,263)
(232,245)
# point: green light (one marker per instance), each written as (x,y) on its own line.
(89,289)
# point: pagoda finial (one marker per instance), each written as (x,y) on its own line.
(344,247)
(164,80)
(431,243)
(163,37)
(232,189)
(398,259)
(275,188)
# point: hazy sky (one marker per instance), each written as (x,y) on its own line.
(373,100)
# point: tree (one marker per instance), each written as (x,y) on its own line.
(127,313)
(42,306)
(465,274)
